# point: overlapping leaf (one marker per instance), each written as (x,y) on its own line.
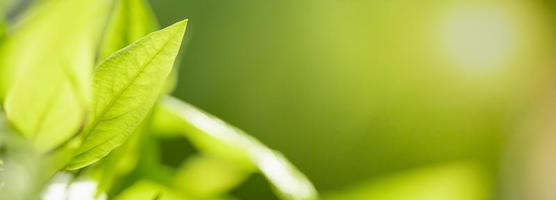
(130,21)
(126,86)
(45,69)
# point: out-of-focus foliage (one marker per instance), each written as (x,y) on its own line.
(370,99)
(220,140)
(356,90)
(205,176)
(27,63)
(149,190)
(72,130)
(5,6)
(130,20)
(454,181)
(2,28)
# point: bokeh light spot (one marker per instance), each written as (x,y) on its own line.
(478,37)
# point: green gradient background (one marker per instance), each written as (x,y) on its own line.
(353,90)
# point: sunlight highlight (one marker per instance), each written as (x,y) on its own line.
(79,190)
(479,37)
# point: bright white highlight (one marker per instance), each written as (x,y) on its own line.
(79,190)
(280,172)
(478,37)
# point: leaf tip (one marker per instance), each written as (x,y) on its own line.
(179,26)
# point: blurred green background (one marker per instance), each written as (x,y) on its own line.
(356,90)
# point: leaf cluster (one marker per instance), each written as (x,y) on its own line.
(84,93)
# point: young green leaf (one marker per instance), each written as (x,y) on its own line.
(126,86)
(130,21)
(45,69)
(219,139)
(120,162)
(205,177)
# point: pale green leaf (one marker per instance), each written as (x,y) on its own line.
(45,68)
(205,176)
(130,21)
(453,181)
(215,137)
(146,190)
(122,160)
(126,86)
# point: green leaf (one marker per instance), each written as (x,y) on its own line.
(120,162)
(45,68)
(204,177)
(454,181)
(215,137)
(126,86)
(146,190)
(130,21)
